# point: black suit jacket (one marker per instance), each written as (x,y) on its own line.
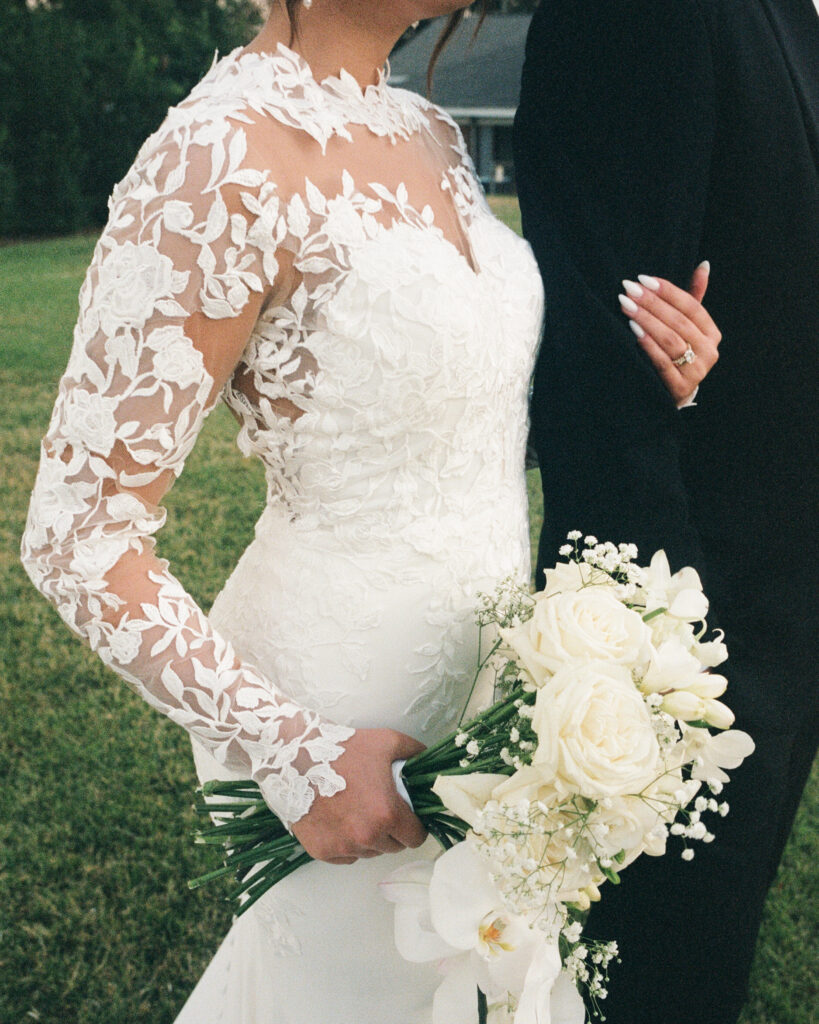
(652,135)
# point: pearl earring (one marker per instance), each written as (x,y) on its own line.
(307,4)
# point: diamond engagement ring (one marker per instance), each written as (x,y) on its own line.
(687,357)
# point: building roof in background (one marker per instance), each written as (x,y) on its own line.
(480,77)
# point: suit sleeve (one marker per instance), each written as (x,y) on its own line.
(613,142)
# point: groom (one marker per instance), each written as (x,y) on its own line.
(650,136)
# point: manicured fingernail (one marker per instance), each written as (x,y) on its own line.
(627,304)
(649,282)
(638,330)
(633,289)
(706,266)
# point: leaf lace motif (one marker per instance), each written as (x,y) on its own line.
(176,281)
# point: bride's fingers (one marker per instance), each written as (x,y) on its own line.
(407,829)
(663,347)
(676,308)
(699,281)
(387,844)
(674,337)
(680,384)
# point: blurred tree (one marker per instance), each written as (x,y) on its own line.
(83,83)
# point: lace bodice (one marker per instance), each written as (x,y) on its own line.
(321,257)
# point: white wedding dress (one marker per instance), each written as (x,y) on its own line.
(320,257)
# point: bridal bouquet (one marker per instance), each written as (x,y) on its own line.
(598,747)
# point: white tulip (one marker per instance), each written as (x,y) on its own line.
(681,704)
(718,714)
(708,686)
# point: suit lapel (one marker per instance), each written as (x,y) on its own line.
(795,24)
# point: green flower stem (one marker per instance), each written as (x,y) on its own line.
(232,829)
(498,713)
(254,896)
(261,852)
(230,787)
(259,808)
(196,883)
(472,768)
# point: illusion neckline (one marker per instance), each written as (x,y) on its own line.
(282,77)
(340,84)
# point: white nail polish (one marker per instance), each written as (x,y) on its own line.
(638,330)
(633,289)
(627,304)
(649,282)
(706,266)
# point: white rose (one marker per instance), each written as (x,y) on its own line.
(533,783)
(566,576)
(131,280)
(559,874)
(466,795)
(176,360)
(89,420)
(578,627)
(628,823)
(595,732)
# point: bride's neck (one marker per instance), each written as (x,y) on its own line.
(356,35)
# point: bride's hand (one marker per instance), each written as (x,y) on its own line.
(668,323)
(368,817)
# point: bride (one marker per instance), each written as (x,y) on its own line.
(309,245)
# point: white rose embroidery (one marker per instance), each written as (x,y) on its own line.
(91,560)
(132,280)
(89,421)
(124,644)
(343,224)
(176,360)
(56,503)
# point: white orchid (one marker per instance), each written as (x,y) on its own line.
(674,667)
(467,911)
(680,594)
(453,912)
(415,936)
(711,754)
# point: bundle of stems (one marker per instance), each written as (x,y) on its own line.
(258,850)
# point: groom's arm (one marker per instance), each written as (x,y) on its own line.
(613,141)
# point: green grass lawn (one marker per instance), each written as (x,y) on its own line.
(96,923)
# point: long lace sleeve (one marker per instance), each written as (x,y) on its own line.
(178,279)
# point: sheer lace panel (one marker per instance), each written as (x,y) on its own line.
(177,281)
